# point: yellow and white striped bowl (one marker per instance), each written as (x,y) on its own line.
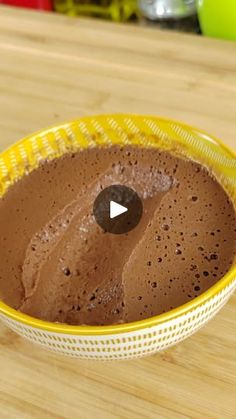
(130,340)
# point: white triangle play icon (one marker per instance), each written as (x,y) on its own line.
(116,209)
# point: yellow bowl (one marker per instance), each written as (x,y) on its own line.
(130,340)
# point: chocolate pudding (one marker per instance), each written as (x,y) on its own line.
(58,264)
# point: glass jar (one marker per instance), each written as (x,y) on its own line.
(117,10)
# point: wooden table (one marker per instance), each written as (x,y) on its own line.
(54,68)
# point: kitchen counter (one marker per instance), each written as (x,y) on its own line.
(54,68)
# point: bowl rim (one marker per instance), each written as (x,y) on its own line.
(84,330)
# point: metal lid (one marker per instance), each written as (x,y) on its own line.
(167,9)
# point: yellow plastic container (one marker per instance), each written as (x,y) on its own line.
(145,337)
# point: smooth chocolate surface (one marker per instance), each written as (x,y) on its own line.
(57,264)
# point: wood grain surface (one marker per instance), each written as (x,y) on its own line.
(54,68)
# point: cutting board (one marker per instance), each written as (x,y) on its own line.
(54,68)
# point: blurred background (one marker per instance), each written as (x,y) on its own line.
(214,18)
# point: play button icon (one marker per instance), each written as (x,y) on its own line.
(117,209)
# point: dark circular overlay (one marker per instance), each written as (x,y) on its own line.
(121,195)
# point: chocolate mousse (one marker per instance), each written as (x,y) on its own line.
(58,264)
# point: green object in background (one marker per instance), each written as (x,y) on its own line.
(218,18)
(117,10)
